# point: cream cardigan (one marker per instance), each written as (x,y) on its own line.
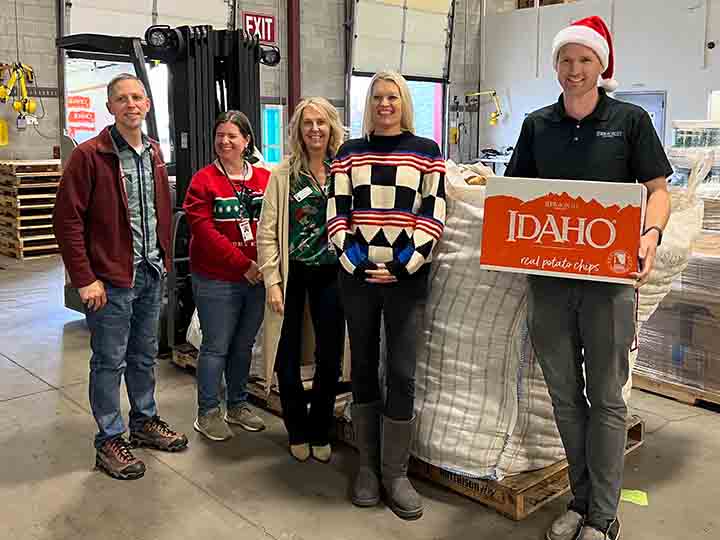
(274,258)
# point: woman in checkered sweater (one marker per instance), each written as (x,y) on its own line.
(386,212)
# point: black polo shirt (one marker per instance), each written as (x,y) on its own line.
(615,143)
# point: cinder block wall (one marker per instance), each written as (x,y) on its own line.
(37,30)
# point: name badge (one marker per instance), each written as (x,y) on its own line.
(246,231)
(302,194)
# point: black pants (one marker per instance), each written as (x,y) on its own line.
(320,284)
(399,305)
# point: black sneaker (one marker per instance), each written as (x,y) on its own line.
(155,433)
(116,459)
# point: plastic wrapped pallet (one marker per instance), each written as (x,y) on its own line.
(680,343)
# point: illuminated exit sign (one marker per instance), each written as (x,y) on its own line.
(263,26)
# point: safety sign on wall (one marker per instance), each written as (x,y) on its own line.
(263,26)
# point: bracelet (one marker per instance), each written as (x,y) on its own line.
(659,231)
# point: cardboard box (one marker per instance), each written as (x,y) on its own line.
(563,228)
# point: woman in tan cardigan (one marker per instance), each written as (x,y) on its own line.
(297,261)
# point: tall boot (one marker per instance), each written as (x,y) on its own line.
(366,424)
(400,495)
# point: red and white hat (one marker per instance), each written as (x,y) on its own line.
(593,33)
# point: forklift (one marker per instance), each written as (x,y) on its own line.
(209,71)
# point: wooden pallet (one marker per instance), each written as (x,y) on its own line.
(185,356)
(673,390)
(515,497)
(29,248)
(30,166)
(11,228)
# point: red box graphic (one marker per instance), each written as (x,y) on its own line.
(563,228)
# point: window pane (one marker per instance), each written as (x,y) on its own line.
(272,155)
(272,133)
(427,101)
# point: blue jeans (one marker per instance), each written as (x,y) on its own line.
(123,339)
(230,316)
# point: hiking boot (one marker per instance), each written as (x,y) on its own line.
(301,451)
(366,426)
(400,495)
(155,433)
(116,459)
(612,532)
(243,416)
(322,453)
(213,426)
(566,527)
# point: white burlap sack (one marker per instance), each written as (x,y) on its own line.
(682,229)
(481,401)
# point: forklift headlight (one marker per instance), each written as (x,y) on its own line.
(269,55)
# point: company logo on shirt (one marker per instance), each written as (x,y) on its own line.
(609,134)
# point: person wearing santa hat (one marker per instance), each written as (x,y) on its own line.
(587,135)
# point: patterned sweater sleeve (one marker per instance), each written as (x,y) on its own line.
(339,216)
(430,221)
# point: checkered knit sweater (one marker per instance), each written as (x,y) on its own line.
(387,203)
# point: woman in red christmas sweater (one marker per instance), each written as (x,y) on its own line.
(223,204)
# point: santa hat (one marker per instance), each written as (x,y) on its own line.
(591,32)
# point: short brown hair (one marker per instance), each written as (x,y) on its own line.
(120,78)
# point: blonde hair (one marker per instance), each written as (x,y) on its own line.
(298,161)
(407,120)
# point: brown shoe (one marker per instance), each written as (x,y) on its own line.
(157,434)
(117,460)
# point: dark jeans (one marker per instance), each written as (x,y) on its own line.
(123,339)
(399,304)
(573,323)
(321,286)
(230,316)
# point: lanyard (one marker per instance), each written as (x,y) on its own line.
(242,198)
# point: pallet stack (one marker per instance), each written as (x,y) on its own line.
(27,199)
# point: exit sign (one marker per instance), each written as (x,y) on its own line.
(263,26)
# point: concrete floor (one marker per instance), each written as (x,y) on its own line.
(250,488)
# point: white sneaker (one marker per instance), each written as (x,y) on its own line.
(566,527)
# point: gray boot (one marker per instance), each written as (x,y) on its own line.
(366,424)
(400,495)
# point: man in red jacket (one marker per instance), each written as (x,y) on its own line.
(112,222)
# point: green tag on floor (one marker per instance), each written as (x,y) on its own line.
(634,496)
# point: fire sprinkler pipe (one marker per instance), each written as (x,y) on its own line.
(294,82)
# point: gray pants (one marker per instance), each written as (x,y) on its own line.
(574,322)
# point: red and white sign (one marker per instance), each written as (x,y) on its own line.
(83,117)
(78,102)
(257,24)
(563,228)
